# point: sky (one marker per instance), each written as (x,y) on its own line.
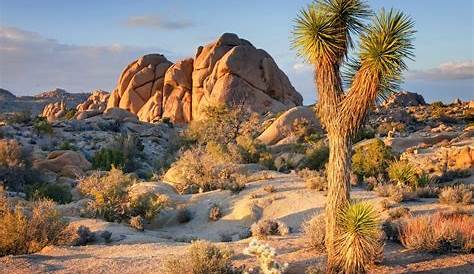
(84,45)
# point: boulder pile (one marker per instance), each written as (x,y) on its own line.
(229,71)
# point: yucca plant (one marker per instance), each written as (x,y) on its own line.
(359,242)
(403,174)
(323,35)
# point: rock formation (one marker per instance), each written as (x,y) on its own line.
(140,81)
(232,71)
(404,99)
(94,105)
(54,111)
(229,71)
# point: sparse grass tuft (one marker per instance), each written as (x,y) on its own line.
(460,194)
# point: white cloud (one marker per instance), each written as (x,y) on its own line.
(446,71)
(30,63)
(154,21)
(302,67)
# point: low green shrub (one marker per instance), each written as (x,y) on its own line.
(42,126)
(59,193)
(372,159)
(106,158)
(403,174)
(316,156)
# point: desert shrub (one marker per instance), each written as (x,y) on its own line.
(56,192)
(201,257)
(314,231)
(371,159)
(266,258)
(15,166)
(105,158)
(252,150)
(313,179)
(362,134)
(391,229)
(397,213)
(438,233)
(427,192)
(76,236)
(214,213)
(22,233)
(131,147)
(206,168)
(183,215)
(316,156)
(222,125)
(112,200)
(264,228)
(147,205)
(386,204)
(42,126)
(396,193)
(403,173)
(137,223)
(359,244)
(460,194)
(66,145)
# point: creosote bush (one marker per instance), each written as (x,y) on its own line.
(23,233)
(359,244)
(113,201)
(201,257)
(264,228)
(438,233)
(316,156)
(105,158)
(372,159)
(56,192)
(314,231)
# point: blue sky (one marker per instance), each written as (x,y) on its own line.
(83,45)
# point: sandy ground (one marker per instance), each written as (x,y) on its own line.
(142,252)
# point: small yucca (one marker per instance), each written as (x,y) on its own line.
(359,243)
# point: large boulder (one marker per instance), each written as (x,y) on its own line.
(404,99)
(231,71)
(284,125)
(95,104)
(140,81)
(54,111)
(177,92)
(66,162)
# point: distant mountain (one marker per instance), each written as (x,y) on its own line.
(6,95)
(11,103)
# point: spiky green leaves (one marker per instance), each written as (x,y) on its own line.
(359,242)
(386,45)
(323,29)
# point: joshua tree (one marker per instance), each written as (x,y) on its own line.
(323,36)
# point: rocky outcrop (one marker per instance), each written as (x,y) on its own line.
(404,99)
(94,105)
(285,125)
(54,111)
(177,92)
(65,162)
(141,80)
(230,71)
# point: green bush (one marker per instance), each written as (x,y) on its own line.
(113,201)
(131,147)
(362,134)
(70,113)
(15,166)
(58,193)
(372,159)
(42,126)
(316,156)
(105,158)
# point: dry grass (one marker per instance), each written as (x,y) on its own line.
(214,213)
(201,257)
(439,233)
(396,213)
(314,231)
(313,179)
(264,228)
(460,194)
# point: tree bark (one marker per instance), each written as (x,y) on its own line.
(338,174)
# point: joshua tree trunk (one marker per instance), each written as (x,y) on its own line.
(338,173)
